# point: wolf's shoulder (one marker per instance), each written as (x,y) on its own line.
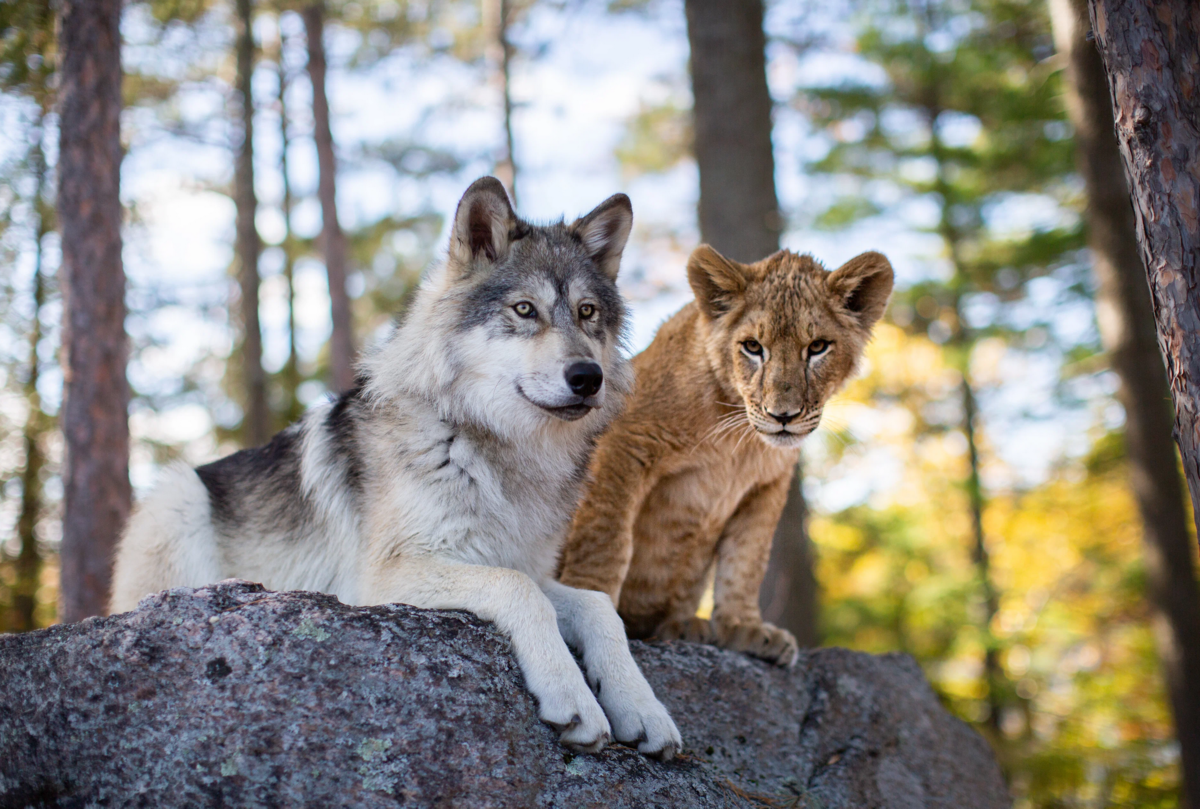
(281,452)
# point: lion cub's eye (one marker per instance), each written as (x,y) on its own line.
(525,309)
(586,311)
(817,347)
(752,347)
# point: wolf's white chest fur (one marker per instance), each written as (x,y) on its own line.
(456,494)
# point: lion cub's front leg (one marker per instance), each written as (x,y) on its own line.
(742,554)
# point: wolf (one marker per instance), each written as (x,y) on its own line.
(446,478)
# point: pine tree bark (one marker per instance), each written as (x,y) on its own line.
(739,216)
(96,397)
(1151,52)
(1127,328)
(333,240)
(256,416)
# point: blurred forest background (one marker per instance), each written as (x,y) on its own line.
(969,500)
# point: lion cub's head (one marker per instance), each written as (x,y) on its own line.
(785,333)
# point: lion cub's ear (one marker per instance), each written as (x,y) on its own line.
(863,284)
(604,232)
(483,225)
(716,281)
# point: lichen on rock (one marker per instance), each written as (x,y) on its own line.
(230,695)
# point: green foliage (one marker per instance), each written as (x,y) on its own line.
(656,139)
(957,111)
(28,49)
(968,117)
(390,271)
(187,12)
(458,28)
(846,212)
(28,52)
(1085,721)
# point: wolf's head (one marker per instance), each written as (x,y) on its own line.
(784,333)
(522,326)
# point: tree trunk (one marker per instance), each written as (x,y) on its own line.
(1125,316)
(992,673)
(256,417)
(961,345)
(29,557)
(739,213)
(96,397)
(739,216)
(789,596)
(291,371)
(1152,54)
(341,344)
(506,167)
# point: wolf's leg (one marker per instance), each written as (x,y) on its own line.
(589,622)
(513,602)
(742,555)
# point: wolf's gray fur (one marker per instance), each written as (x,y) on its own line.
(447,476)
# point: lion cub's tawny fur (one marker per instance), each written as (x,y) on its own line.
(696,471)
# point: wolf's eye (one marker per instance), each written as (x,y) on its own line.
(817,347)
(586,311)
(752,347)
(525,309)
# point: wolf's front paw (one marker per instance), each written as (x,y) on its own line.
(757,638)
(641,720)
(571,709)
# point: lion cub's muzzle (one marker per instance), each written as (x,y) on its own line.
(786,428)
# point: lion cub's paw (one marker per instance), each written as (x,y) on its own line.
(571,709)
(693,630)
(757,638)
(763,640)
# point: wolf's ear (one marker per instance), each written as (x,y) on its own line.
(716,281)
(863,285)
(604,232)
(483,225)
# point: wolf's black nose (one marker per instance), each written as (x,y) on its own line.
(585,378)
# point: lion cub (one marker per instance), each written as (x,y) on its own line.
(696,471)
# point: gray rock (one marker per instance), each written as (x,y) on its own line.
(233,696)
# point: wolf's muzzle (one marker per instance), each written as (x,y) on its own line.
(584,378)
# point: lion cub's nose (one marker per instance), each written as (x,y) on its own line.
(783,418)
(584,378)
